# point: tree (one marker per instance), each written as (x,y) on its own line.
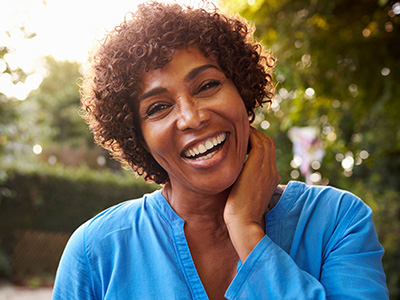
(57,99)
(12,125)
(65,137)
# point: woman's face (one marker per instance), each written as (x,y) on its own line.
(194,122)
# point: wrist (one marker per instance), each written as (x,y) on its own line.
(235,222)
(245,236)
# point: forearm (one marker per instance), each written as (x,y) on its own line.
(326,259)
(270,273)
(244,237)
(250,195)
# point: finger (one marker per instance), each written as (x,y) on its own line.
(257,149)
(266,140)
(264,154)
(262,147)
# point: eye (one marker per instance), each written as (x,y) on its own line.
(209,85)
(156,108)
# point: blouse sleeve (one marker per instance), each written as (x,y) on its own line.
(73,279)
(351,268)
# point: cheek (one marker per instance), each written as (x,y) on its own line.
(246,139)
(151,140)
(239,107)
(246,126)
(154,144)
(158,144)
(144,137)
(240,114)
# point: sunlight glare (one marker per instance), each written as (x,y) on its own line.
(64,29)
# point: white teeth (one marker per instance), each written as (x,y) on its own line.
(209,155)
(209,145)
(202,148)
(205,146)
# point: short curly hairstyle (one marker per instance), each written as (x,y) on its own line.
(147,40)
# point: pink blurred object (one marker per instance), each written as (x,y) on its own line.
(308,145)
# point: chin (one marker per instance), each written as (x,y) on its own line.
(212,187)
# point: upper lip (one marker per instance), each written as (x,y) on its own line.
(198,147)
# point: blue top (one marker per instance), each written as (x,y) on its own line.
(320,243)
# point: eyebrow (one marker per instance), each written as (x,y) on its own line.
(153,92)
(189,77)
(196,71)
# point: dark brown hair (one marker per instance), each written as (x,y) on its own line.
(147,41)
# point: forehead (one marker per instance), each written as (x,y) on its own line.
(183,62)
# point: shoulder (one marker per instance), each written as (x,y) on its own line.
(325,196)
(324,216)
(118,218)
(325,206)
(121,216)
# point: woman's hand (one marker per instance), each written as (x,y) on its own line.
(248,200)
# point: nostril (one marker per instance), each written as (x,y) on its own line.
(189,120)
(191,117)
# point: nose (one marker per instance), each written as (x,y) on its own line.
(191,114)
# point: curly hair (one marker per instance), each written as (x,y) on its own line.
(147,41)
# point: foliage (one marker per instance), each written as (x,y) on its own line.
(50,118)
(9,113)
(338,69)
(58,198)
(63,134)
(13,136)
(57,101)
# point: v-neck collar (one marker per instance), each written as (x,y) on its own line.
(181,246)
(165,210)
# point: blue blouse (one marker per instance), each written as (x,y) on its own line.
(320,243)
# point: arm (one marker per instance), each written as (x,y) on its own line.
(73,279)
(353,259)
(270,273)
(248,200)
(351,268)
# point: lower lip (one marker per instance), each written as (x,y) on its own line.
(214,160)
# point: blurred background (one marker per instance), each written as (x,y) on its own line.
(335,118)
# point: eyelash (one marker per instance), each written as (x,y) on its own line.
(209,85)
(159,107)
(155,108)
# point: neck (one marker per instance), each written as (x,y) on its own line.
(203,211)
(203,214)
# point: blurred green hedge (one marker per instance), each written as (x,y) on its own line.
(57,199)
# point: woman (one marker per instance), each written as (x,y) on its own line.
(171,95)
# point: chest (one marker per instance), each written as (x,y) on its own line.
(164,268)
(216,268)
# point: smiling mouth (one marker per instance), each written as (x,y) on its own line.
(205,149)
